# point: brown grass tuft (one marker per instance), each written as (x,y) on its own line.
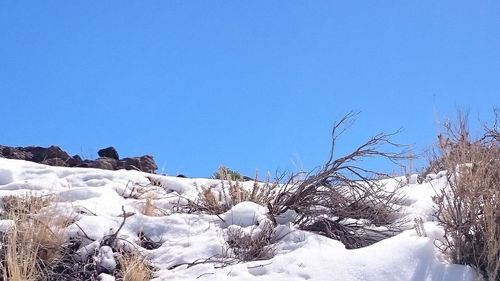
(134,267)
(32,240)
(20,260)
(150,207)
(28,204)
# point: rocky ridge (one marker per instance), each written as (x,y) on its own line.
(55,156)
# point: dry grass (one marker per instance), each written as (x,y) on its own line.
(33,239)
(149,208)
(469,208)
(28,204)
(20,260)
(233,191)
(134,267)
(218,199)
(207,202)
(146,194)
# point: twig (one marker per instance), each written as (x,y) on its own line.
(208,273)
(213,259)
(111,238)
(260,265)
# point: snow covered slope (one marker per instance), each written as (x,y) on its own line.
(95,197)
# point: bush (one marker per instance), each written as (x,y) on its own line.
(342,200)
(224,173)
(469,207)
(258,244)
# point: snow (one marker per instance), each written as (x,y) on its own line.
(95,198)
(244,214)
(106,259)
(105,277)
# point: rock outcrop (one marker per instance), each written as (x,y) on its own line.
(55,156)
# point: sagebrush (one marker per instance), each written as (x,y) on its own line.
(343,200)
(469,207)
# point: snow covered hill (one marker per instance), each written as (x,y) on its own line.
(180,243)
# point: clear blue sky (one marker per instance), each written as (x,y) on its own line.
(249,84)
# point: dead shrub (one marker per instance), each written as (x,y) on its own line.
(342,200)
(469,207)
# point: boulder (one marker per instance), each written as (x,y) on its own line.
(144,163)
(5,151)
(35,153)
(15,153)
(105,163)
(54,162)
(56,152)
(109,152)
(39,154)
(74,161)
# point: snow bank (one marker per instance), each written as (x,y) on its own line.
(96,198)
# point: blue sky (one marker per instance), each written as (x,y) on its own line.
(248,84)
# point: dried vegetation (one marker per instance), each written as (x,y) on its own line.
(469,208)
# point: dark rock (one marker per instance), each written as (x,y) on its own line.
(56,152)
(109,152)
(54,162)
(74,161)
(247,178)
(35,153)
(5,151)
(100,163)
(144,163)
(15,153)
(39,154)
(105,163)
(85,164)
(181,176)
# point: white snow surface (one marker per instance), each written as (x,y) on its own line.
(96,198)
